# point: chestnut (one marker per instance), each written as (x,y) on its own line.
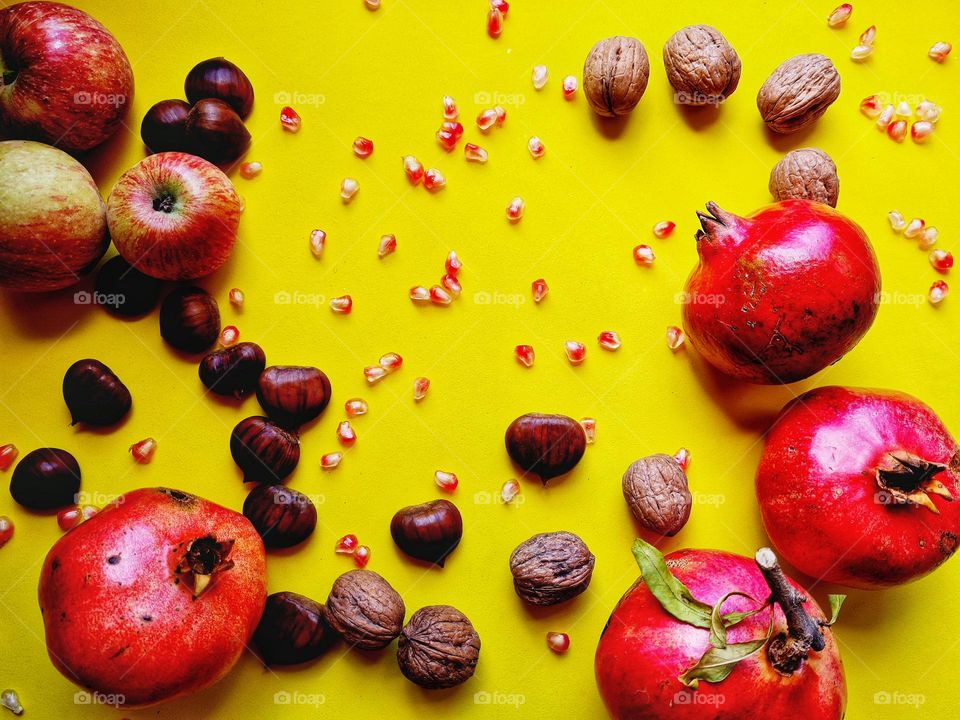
(292,395)
(219,78)
(94,394)
(233,370)
(292,630)
(124,290)
(282,516)
(215,132)
(46,479)
(263,450)
(429,531)
(164,127)
(545,445)
(190,319)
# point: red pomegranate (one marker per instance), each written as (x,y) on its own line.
(644,649)
(782,294)
(154,597)
(855,487)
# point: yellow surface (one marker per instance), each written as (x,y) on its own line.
(595,195)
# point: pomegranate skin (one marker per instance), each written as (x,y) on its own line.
(782,294)
(119,619)
(819,495)
(643,650)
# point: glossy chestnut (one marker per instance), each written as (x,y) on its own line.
(293,395)
(429,531)
(190,319)
(46,479)
(293,630)
(545,445)
(221,79)
(234,370)
(263,450)
(94,394)
(215,132)
(164,127)
(123,290)
(283,516)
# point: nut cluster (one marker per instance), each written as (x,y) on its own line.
(615,75)
(701,65)
(551,568)
(805,174)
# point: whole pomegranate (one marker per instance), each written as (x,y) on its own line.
(650,665)
(154,597)
(855,487)
(782,294)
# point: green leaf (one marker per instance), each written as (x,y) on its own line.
(672,594)
(836,601)
(718,662)
(719,623)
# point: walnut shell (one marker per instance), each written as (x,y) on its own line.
(702,66)
(805,174)
(615,75)
(798,92)
(438,648)
(656,490)
(365,610)
(551,568)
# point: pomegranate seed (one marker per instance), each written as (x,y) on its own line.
(589,426)
(474,153)
(941,260)
(250,170)
(939,51)
(914,228)
(558,642)
(869,35)
(391,362)
(355,407)
(643,255)
(870,106)
(494,23)
(361,556)
(440,296)
(348,189)
(897,131)
(374,374)
(143,451)
(290,120)
(928,238)
(927,110)
(664,229)
(861,52)
(451,284)
(8,453)
(447,140)
(446,481)
(609,340)
(683,458)
(536,148)
(455,128)
(450,109)
(452,264)
(69,518)
(570,86)
(525,355)
(897,221)
(540,76)
(500,5)
(433,180)
(318,239)
(510,489)
(515,209)
(330,461)
(501,115)
(413,169)
(420,387)
(903,110)
(388,244)
(6,530)
(229,336)
(576,351)
(839,17)
(487,119)
(885,117)
(938,292)
(675,338)
(363,147)
(236,297)
(540,289)
(372,5)
(347,545)
(346,434)
(418,293)
(342,305)
(921,130)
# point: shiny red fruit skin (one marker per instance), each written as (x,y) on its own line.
(130,627)
(782,294)
(819,498)
(643,649)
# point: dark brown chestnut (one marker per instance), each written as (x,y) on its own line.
(164,127)
(46,479)
(545,445)
(263,450)
(94,394)
(215,132)
(292,630)
(123,290)
(282,516)
(292,395)
(430,531)
(233,370)
(190,319)
(219,78)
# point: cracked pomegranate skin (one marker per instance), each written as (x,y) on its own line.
(781,294)
(119,618)
(819,495)
(643,650)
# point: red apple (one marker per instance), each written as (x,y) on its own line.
(53,226)
(66,80)
(174,216)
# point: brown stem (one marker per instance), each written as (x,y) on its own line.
(787,651)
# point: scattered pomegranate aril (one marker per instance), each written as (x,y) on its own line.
(839,17)
(928,238)
(347,545)
(664,229)
(609,340)
(250,170)
(515,209)
(8,453)
(342,305)
(413,169)
(433,180)
(683,458)
(914,228)
(938,292)
(501,115)
(939,51)
(387,245)
(440,296)
(502,5)
(446,481)
(643,255)
(539,76)
(928,110)
(318,239)
(361,556)
(229,336)
(6,530)
(570,86)
(903,109)
(420,387)
(374,374)
(510,490)
(354,407)
(525,355)
(869,35)
(346,434)
(897,221)
(419,294)
(870,106)
(558,642)
(363,147)
(452,264)
(576,351)
(540,289)
(290,120)
(348,189)
(451,284)
(70,517)
(861,52)
(236,297)
(391,362)
(885,117)
(330,460)
(450,109)
(143,451)
(675,338)
(941,260)
(494,23)
(372,5)
(536,148)
(486,119)
(897,131)
(589,426)
(447,140)
(921,130)
(475,153)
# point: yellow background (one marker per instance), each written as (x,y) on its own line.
(596,194)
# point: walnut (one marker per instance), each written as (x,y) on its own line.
(798,92)
(656,490)
(702,66)
(615,75)
(551,568)
(365,609)
(806,174)
(438,648)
